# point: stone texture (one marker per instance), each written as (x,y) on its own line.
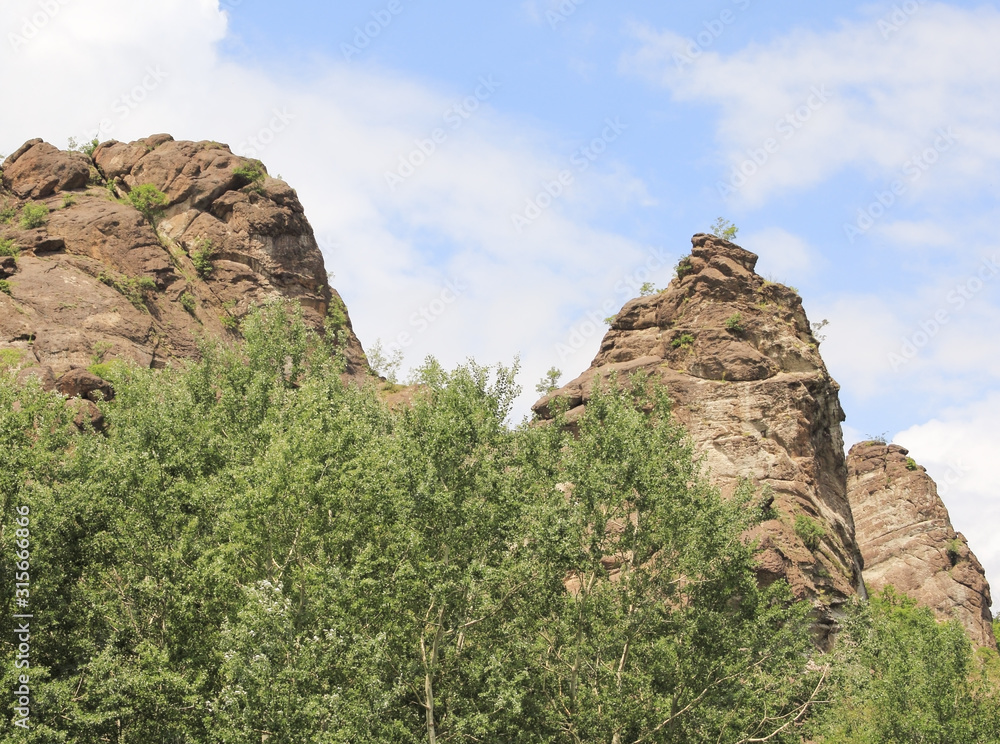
(907,539)
(757,401)
(38,170)
(74,288)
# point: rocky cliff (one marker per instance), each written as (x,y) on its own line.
(907,540)
(742,366)
(96,266)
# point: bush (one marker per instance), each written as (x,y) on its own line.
(5,287)
(201,257)
(648,288)
(683,342)
(549,382)
(68,201)
(188,302)
(809,531)
(34,214)
(911,464)
(251,174)
(724,229)
(8,248)
(149,200)
(734,323)
(134,289)
(900,676)
(7,213)
(683,267)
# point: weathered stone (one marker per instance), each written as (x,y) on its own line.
(43,375)
(38,170)
(907,539)
(741,364)
(79,383)
(77,294)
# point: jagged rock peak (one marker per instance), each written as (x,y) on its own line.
(907,539)
(740,361)
(92,278)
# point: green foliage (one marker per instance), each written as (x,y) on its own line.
(9,248)
(882,439)
(734,323)
(684,341)
(549,382)
(954,550)
(10,358)
(109,370)
(251,174)
(683,267)
(336,314)
(149,200)
(188,302)
(87,148)
(809,531)
(610,319)
(5,287)
(201,257)
(256,546)
(724,229)
(68,200)
(7,213)
(135,289)
(385,364)
(900,677)
(911,464)
(34,214)
(229,322)
(648,288)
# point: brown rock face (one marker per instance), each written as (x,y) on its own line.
(739,359)
(907,540)
(98,280)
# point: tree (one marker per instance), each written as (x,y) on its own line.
(549,382)
(149,200)
(723,228)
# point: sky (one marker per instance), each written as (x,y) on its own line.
(486,180)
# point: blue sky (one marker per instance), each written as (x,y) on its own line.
(867,136)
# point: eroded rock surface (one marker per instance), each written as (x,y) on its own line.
(96,280)
(741,363)
(907,539)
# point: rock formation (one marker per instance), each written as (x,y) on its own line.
(89,277)
(740,361)
(907,540)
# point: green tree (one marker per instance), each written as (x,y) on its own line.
(901,676)
(723,228)
(549,382)
(149,200)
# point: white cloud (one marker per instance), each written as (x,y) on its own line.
(959,450)
(883,99)
(393,251)
(786,257)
